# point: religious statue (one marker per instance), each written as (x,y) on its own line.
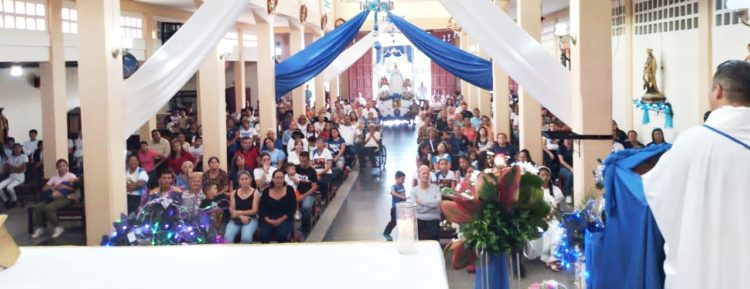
(748,50)
(649,79)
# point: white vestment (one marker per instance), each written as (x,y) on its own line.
(699,193)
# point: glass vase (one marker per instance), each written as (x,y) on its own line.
(406,222)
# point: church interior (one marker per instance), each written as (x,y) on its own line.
(428,143)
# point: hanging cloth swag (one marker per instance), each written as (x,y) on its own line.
(311,61)
(631,253)
(462,64)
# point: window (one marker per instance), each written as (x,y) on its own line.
(23,15)
(132,27)
(70,21)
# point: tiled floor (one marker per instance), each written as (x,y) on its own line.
(365,212)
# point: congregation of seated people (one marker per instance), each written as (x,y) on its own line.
(273,179)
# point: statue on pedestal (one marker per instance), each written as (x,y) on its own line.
(748,50)
(649,79)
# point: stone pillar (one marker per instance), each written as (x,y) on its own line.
(483,100)
(54,96)
(629,32)
(591,90)
(296,44)
(530,112)
(464,45)
(266,71)
(149,25)
(320,89)
(212,107)
(471,91)
(705,53)
(100,84)
(239,74)
(500,90)
(334,89)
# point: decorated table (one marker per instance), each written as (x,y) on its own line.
(295,266)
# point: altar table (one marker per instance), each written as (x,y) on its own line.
(366,265)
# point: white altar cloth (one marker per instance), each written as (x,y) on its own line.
(374,265)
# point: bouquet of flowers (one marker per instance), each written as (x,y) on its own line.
(501,213)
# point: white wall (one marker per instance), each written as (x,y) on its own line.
(23,102)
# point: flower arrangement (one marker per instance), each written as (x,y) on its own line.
(503,211)
(549,284)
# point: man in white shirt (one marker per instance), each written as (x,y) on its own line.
(161,146)
(371,145)
(322,160)
(32,144)
(246,130)
(698,191)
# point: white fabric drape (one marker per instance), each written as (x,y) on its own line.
(162,76)
(519,55)
(348,57)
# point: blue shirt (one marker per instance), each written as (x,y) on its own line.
(401,191)
(276,156)
(335,145)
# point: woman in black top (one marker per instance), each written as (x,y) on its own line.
(277,207)
(243,210)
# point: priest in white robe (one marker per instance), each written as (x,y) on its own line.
(699,191)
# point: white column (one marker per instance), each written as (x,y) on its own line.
(500,90)
(320,90)
(100,84)
(530,112)
(212,108)
(483,98)
(591,90)
(629,32)
(54,95)
(296,44)
(266,71)
(239,74)
(705,53)
(149,25)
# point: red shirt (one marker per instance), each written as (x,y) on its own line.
(175,163)
(148,159)
(251,158)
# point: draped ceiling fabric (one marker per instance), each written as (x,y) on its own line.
(517,53)
(347,58)
(631,255)
(462,64)
(162,76)
(306,64)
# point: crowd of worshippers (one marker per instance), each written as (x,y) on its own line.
(453,140)
(273,178)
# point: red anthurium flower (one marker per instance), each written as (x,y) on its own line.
(462,256)
(508,184)
(455,213)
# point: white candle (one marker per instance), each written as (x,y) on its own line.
(406,236)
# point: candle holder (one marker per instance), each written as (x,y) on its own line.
(406,214)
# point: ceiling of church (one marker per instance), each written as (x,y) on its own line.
(548,6)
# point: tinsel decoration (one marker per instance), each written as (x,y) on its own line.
(575,225)
(659,107)
(164,221)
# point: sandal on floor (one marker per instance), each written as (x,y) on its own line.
(554,266)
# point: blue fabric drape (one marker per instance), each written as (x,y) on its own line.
(311,61)
(632,250)
(462,64)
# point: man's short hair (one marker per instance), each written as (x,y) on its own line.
(734,78)
(33,131)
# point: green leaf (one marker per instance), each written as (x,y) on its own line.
(487,190)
